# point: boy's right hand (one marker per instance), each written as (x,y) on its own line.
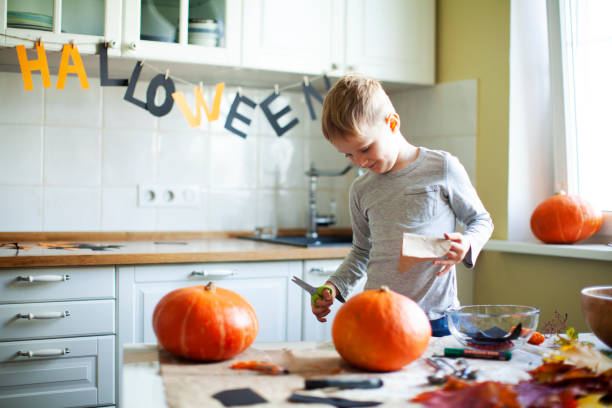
(321,304)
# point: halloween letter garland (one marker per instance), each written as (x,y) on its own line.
(70,51)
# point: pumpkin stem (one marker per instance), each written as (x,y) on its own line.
(384,288)
(210,287)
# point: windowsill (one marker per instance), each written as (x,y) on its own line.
(596,248)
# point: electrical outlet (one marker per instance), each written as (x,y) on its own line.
(150,195)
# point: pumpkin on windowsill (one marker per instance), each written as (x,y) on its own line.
(380,330)
(565,219)
(206,323)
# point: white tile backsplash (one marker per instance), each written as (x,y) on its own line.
(232,161)
(183,157)
(21,208)
(231,209)
(19,105)
(21,154)
(72,159)
(129,157)
(72,209)
(73,106)
(120,211)
(72,156)
(118,113)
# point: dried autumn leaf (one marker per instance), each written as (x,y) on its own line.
(591,401)
(459,394)
(542,395)
(585,355)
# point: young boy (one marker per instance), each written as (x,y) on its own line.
(407,189)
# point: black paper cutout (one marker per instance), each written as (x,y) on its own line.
(129,92)
(273,117)
(233,114)
(166,107)
(104,79)
(309,91)
(239,396)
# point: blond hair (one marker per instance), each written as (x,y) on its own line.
(352,104)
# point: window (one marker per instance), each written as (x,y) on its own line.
(580,36)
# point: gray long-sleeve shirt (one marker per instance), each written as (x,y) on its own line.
(426,198)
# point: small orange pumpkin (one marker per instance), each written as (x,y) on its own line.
(565,219)
(380,330)
(205,323)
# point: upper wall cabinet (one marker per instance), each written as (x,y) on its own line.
(392,40)
(57,22)
(195,31)
(299,36)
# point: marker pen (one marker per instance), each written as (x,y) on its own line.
(487,354)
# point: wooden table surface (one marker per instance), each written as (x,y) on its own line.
(143,385)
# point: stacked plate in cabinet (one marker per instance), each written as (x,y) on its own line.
(203,32)
(32,21)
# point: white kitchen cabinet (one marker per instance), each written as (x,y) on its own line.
(57,343)
(300,36)
(58,22)
(159,30)
(265,285)
(392,40)
(64,372)
(316,272)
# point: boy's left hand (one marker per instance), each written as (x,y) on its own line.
(459,248)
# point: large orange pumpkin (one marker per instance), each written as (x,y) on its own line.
(565,219)
(380,330)
(205,323)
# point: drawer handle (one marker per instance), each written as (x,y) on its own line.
(322,272)
(43,315)
(44,352)
(218,274)
(44,278)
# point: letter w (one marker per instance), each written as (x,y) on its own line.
(195,119)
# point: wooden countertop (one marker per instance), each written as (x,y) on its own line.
(149,248)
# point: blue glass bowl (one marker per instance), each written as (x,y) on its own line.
(493,327)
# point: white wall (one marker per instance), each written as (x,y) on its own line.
(71,160)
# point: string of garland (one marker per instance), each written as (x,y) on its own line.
(277,89)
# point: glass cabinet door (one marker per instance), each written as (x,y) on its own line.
(197,31)
(57,22)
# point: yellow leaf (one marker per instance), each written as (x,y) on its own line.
(590,401)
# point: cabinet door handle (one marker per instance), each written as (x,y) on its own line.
(322,272)
(44,352)
(213,274)
(44,278)
(43,315)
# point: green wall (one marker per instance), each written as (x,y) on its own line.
(473,42)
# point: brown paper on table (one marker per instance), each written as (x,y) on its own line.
(191,384)
(420,248)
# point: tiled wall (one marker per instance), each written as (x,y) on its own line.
(442,117)
(71,160)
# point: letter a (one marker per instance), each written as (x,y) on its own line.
(200,103)
(68,51)
(27,66)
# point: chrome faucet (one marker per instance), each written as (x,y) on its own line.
(314,219)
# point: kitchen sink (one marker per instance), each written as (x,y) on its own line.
(302,241)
